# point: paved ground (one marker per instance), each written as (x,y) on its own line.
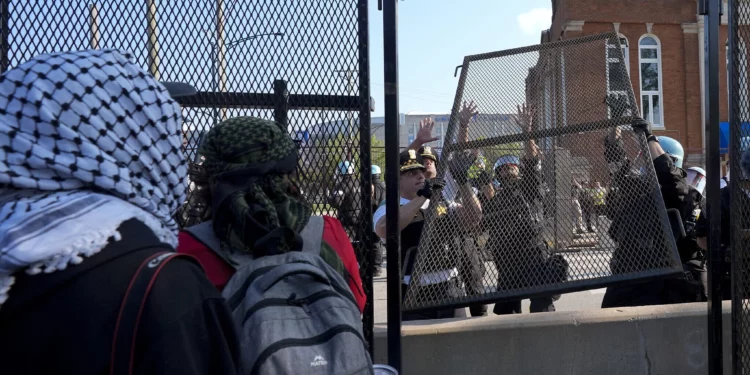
(584,264)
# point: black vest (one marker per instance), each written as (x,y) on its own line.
(410,237)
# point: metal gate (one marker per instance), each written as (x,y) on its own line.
(554,117)
(739,216)
(304,63)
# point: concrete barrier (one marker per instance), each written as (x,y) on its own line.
(653,340)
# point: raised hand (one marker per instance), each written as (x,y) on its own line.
(525,117)
(526,123)
(424,134)
(467,112)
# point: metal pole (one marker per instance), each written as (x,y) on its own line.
(711,9)
(349,116)
(153,38)
(5,43)
(364,165)
(221,63)
(94,24)
(281,102)
(392,195)
(735,127)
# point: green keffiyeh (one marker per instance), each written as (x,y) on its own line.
(255,207)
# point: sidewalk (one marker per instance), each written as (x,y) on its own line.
(585,300)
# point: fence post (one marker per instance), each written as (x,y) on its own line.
(4,43)
(365,163)
(712,11)
(280,102)
(392,195)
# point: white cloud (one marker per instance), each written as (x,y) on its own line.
(535,20)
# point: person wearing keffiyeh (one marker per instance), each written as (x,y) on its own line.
(255,204)
(91,175)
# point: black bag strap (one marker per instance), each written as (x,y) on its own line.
(129,316)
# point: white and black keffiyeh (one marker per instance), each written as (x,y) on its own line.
(88,140)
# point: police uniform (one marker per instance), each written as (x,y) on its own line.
(694,286)
(442,282)
(378,199)
(634,240)
(347,199)
(742,223)
(514,228)
(464,245)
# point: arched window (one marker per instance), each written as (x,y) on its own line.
(652,98)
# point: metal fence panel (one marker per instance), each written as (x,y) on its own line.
(553,116)
(739,218)
(303,63)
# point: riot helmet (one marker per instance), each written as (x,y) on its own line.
(674,149)
(696,177)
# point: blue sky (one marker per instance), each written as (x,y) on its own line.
(435,35)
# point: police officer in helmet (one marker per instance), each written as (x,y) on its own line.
(693,287)
(346,198)
(625,211)
(512,220)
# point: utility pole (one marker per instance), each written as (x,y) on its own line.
(221,63)
(94,25)
(153,38)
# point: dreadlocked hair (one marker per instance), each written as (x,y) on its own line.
(199,201)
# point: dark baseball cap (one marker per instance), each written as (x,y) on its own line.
(178,89)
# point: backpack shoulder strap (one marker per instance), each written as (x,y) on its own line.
(312,235)
(204,232)
(131,309)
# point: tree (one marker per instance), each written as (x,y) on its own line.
(377,154)
(494,152)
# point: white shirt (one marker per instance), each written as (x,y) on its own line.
(427,278)
(380,212)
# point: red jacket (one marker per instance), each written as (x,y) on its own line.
(219,272)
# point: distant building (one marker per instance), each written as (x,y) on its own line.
(663,43)
(491,125)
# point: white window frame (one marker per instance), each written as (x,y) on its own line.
(626,58)
(650,94)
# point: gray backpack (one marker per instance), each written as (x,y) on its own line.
(296,314)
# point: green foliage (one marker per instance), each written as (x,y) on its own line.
(492,153)
(377,154)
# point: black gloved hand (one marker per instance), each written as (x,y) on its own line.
(432,186)
(642,125)
(459,167)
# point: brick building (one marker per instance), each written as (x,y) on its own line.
(663,45)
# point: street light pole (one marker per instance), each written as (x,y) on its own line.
(218,59)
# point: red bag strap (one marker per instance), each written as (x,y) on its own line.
(131,309)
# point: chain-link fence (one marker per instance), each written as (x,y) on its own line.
(556,117)
(303,63)
(737,221)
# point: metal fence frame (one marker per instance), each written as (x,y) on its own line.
(739,17)
(674,267)
(280,101)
